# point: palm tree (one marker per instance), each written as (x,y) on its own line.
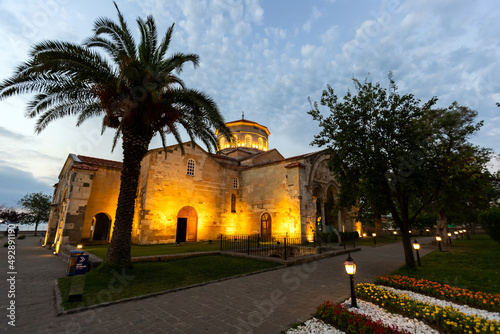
(136,90)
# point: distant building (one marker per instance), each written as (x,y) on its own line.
(245,188)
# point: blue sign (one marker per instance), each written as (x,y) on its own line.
(81,264)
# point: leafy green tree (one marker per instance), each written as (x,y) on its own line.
(490,221)
(136,90)
(36,208)
(461,172)
(379,145)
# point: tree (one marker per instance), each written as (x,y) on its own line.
(137,91)
(461,172)
(11,215)
(378,144)
(490,221)
(36,208)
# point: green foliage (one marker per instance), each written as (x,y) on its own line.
(36,206)
(393,154)
(490,221)
(22,236)
(328,237)
(350,235)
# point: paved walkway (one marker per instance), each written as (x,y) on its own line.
(264,303)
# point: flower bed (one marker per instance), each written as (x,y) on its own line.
(448,318)
(352,322)
(485,301)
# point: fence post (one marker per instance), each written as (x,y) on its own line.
(285,248)
(221,242)
(258,240)
(248,244)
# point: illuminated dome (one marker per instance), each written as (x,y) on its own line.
(246,134)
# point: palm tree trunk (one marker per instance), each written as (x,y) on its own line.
(135,148)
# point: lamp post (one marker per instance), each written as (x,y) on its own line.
(438,239)
(395,235)
(350,268)
(449,237)
(456,234)
(427,230)
(374,238)
(416,245)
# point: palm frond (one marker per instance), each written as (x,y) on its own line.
(165,43)
(177,61)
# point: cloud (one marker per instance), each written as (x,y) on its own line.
(5,133)
(316,14)
(17,183)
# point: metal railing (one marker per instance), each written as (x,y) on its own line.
(255,244)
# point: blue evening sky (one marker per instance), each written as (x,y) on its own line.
(264,58)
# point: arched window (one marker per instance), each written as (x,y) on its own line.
(260,144)
(233,203)
(235,183)
(248,141)
(190,167)
(222,143)
(234,141)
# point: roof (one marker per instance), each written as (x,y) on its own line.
(100,162)
(247,122)
(295,164)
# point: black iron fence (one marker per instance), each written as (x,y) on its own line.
(284,247)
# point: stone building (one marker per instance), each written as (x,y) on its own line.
(244,188)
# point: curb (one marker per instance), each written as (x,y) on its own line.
(287,263)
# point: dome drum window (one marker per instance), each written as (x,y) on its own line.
(190,167)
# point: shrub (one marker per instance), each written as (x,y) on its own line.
(490,221)
(6,244)
(21,237)
(328,237)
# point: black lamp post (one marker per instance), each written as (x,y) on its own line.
(395,235)
(374,238)
(449,238)
(438,239)
(456,235)
(350,268)
(416,245)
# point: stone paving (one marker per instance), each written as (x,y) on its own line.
(268,302)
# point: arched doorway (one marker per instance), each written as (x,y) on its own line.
(320,219)
(266,225)
(101,225)
(187,225)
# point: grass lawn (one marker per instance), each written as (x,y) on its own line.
(103,285)
(145,250)
(470,264)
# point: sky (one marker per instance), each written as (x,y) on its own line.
(263,58)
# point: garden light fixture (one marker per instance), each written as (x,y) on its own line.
(438,239)
(350,268)
(416,245)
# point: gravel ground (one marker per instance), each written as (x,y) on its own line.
(316,326)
